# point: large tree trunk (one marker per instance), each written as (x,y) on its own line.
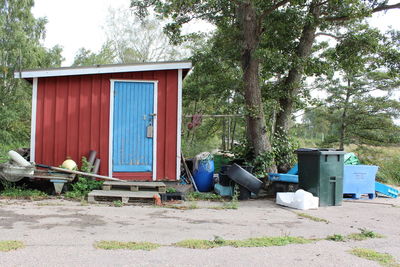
(292,81)
(343,124)
(256,127)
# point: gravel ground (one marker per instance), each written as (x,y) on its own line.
(62,233)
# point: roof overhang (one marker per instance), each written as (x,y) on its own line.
(100,69)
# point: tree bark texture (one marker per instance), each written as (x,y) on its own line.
(256,126)
(343,124)
(291,84)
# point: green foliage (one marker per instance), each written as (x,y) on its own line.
(383,259)
(118,203)
(363,235)
(387,158)
(10,190)
(250,242)
(202,196)
(171,190)
(85,57)
(20,48)
(84,185)
(336,238)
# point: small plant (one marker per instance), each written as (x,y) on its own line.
(84,185)
(336,238)
(112,245)
(365,234)
(9,245)
(192,196)
(313,218)
(118,203)
(171,190)
(250,242)
(383,259)
(12,191)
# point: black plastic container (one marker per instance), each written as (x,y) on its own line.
(244,178)
(172,196)
(244,193)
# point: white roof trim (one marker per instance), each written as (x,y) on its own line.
(103,69)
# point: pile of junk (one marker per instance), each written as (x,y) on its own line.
(322,177)
(18,168)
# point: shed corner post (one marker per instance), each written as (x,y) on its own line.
(33,119)
(179,126)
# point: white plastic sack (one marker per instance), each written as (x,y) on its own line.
(301,200)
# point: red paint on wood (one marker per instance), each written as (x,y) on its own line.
(73,115)
(137,176)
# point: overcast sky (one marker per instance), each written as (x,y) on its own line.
(78,23)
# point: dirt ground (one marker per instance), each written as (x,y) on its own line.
(62,233)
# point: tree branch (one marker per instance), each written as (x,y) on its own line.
(374,10)
(271,9)
(329,35)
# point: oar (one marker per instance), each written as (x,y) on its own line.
(80,173)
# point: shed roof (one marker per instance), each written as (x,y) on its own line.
(99,69)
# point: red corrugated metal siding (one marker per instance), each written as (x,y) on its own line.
(73,117)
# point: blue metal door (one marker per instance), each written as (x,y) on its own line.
(132,127)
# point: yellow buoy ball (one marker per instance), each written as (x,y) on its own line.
(69,164)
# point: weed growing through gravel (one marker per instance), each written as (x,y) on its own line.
(365,234)
(192,196)
(383,259)
(12,191)
(10,245)
(118,203)
(313,218)
(336,238)
(250,242)
(112,245)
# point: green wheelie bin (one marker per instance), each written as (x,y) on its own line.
(321,173)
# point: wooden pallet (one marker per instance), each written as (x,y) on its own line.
(101,196)
(135,186)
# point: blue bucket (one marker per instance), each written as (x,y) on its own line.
(203,175)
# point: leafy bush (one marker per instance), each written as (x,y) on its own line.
(84,185)
(12,191)
(387,158)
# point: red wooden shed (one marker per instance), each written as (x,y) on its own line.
(130,114)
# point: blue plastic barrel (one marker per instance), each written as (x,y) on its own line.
(203,175)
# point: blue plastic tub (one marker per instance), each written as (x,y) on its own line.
(203,175)
(359,180)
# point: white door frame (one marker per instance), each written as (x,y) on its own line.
(110,143)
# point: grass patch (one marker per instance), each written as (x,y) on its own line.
(193,196)
(118,203)
(336,238)
(12,191)
(10,245)
(383,259)
(113,245)
(363,235)
(231,205)
(250,242)
(313,218)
